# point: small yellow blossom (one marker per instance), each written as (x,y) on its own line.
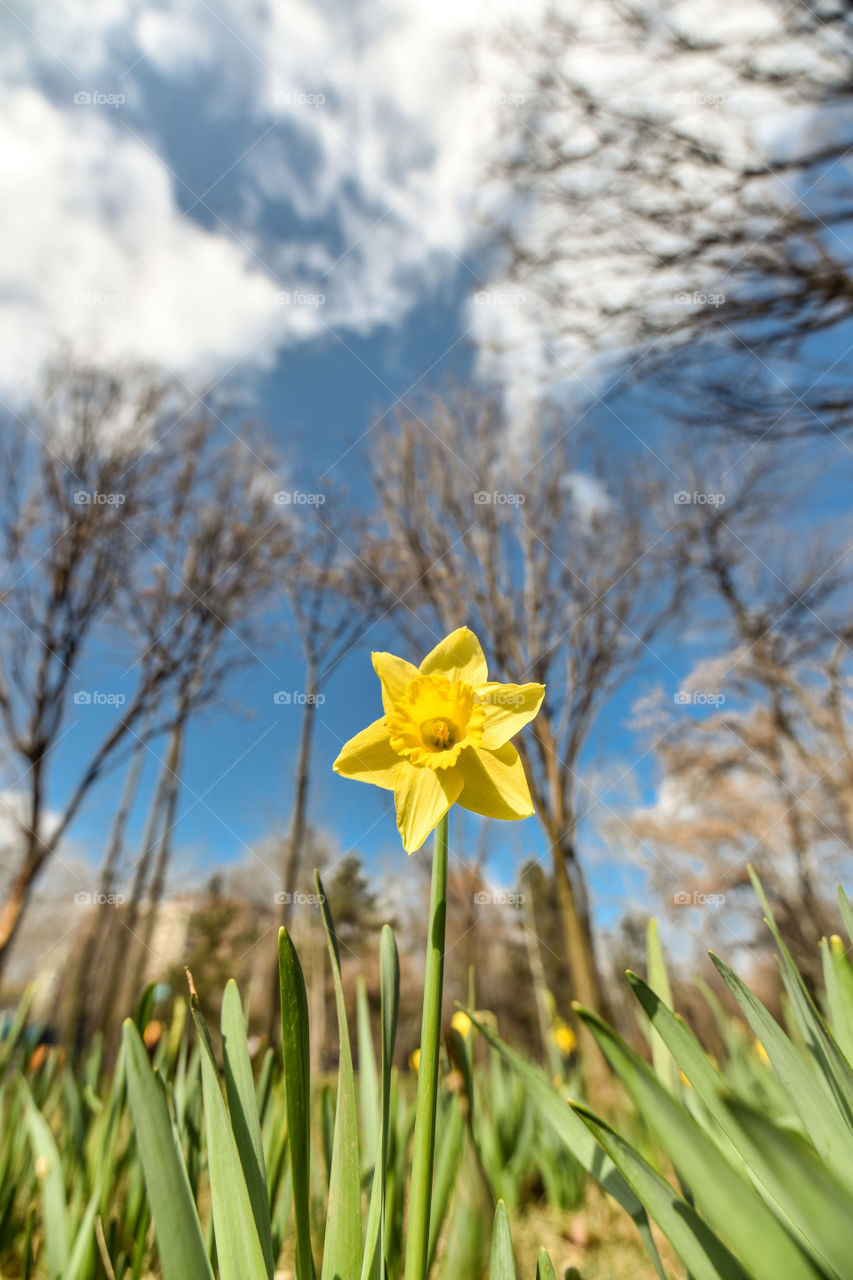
(761,1052)
(563,1037)
(414,1060)
(461,1023)
(444,738)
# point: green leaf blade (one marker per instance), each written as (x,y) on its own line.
(297,1092)
(183,1255)
(342,1249)
(502,1264)
(238,1246)
(240,1088)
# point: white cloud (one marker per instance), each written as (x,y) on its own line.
(380,121)
(372,130)
(587,494)
(94,250)
(13,812)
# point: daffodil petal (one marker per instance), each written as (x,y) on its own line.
(368,757)
(394,673)
(509,707)
(423,796)
(495,785)
(458,656)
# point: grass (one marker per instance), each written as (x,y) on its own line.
(185,1159)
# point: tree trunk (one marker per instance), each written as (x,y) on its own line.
(164,849)
(293,856)
(116,968)
(540,982)
(298,825)
(99,934)
(16,900)
(36,853)
(587,987)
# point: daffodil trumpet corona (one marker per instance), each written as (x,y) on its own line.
(444,738)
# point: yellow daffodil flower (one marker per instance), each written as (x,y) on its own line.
(444,738)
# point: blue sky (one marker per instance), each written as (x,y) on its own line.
(173,172)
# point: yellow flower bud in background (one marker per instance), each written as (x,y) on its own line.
(461,1023)
(563,1037)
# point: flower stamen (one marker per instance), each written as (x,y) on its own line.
(434,721)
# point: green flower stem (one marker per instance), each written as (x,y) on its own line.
(417,1242)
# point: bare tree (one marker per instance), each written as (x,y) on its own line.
(666,183)
(74,482)
(560,563)
(334,596)
(126,531)
(208,591)
(755,753)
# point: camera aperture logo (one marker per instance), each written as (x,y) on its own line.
(684,499)
(296,498)
(698,298)
(494,97)
(283,698)
(499,898)
(686,898)
(94,298)
(95,98)
(695,698)
(283,898)
(94,698)
(500,698)
(299,298)
(92,498)
(499,298)
(83,898)
(298,98)
(483,498)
